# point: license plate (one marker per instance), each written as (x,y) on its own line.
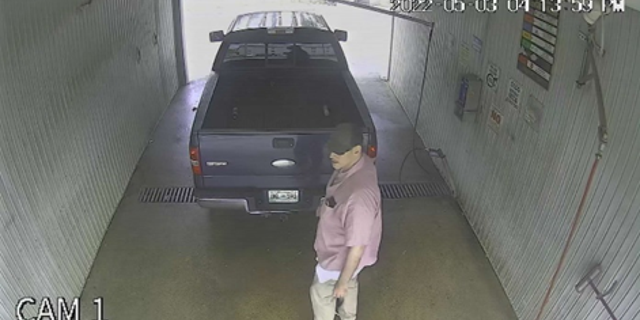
(283,196)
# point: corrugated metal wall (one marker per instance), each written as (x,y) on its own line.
(520,188)
(81,89)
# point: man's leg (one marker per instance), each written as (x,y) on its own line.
(349,307)
(322,300)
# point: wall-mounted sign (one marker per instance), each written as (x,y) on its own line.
(538,43)
(492,77)
(533,113)
(464,56)
(514,93)
(495,119)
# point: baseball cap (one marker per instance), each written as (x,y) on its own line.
(344,137)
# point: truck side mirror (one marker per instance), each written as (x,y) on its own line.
(341,35)
(216,36)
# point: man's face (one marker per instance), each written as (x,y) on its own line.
(346,160)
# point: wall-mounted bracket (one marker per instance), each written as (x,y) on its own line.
(589,281)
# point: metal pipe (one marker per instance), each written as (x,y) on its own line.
(601,44)
(584,68)
(589,63)
(602,129)
(393,22)
(387,12)
(603,135)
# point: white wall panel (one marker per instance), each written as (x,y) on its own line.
(520,188)
(81,89)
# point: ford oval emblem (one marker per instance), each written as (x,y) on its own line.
(283,163)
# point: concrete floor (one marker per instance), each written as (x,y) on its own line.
(178,261)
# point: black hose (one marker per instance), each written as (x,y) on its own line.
(415,124)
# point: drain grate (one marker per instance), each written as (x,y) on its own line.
(413,190)
(389,191)
(167,195)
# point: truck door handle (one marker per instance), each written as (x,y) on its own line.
(283,143)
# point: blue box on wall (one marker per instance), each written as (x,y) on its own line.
(468,95)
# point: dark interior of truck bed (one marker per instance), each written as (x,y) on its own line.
(280,101)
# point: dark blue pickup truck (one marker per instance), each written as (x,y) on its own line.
(279,84)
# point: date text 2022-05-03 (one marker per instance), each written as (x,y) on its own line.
(514,6)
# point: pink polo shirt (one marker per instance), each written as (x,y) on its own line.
(356,218)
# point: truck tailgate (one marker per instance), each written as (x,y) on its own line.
(264,160)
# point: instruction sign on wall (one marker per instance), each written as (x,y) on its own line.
(492,77)
(495,119)
(514,93)
(464,56)
(538,43)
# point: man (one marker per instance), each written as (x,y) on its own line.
(350,226)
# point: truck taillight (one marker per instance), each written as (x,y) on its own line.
(372,152)
(194,155)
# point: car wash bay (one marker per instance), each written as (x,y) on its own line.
(97,108)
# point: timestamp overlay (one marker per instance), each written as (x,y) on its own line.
(540,23)
(514,6)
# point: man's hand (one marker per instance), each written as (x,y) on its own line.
(340,290)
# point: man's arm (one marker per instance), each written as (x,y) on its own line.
(353,260)
(358,226)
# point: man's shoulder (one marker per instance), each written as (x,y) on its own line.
(366,177)
(364,189)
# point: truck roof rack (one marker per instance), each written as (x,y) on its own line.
(278,20)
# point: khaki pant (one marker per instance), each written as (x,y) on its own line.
(324,304)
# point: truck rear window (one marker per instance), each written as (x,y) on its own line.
(281,55)
(279,101)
